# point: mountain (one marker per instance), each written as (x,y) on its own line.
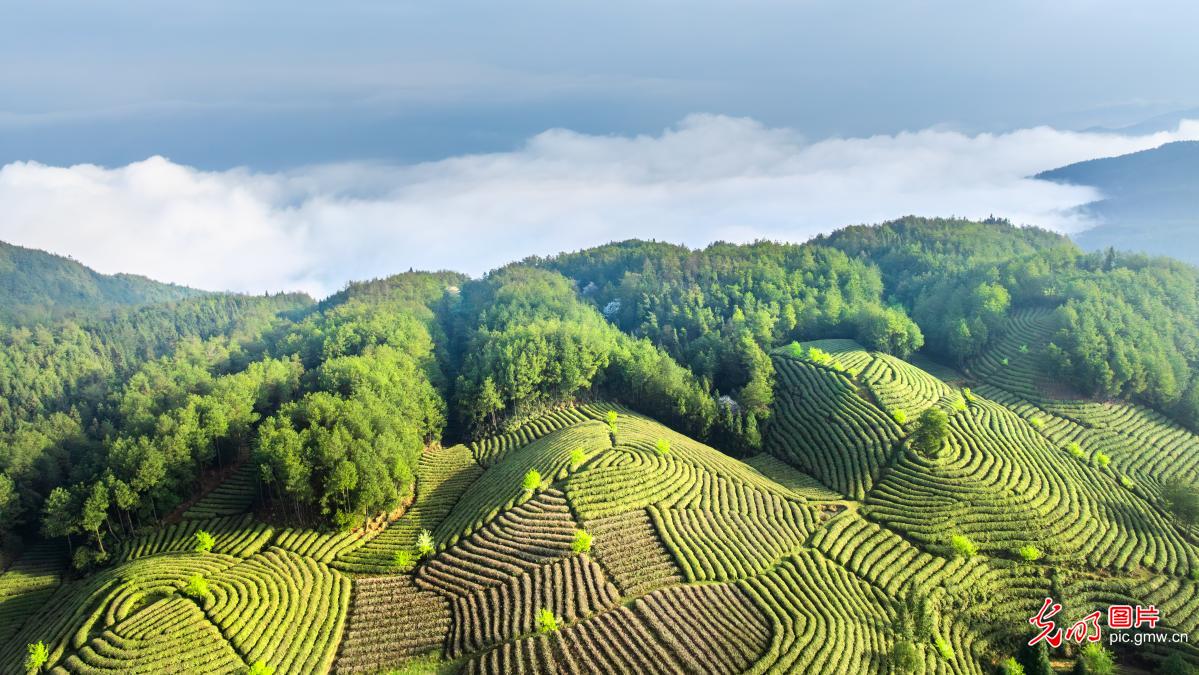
(1150,204)
(879,451)
(38,286)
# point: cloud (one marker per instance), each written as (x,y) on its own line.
(709,177)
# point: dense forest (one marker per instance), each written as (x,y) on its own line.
(110,422)
(38,286)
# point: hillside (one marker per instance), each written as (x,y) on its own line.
(876,452)
(38,286)
(1150,204)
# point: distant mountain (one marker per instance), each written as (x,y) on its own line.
(36,286)
(1151,200)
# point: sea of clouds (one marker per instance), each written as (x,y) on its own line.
(708,178)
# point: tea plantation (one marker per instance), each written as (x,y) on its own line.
(595,539)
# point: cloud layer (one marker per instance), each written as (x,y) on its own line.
(707,178)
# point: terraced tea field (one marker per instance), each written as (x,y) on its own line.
(578,543)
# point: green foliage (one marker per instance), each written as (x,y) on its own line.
(1127,482)
(204,542)
(1010,666)
(1037,423)
(1102,460)
(1097,660)
(1075,450)
(611,419)
(582,542)
(577,457)
(1182,498)
(662,446)
(401,560)
(1036,660)
(899,416)
(1029,553)
(546,621)
(197,587)
(932,430)
(963,546)
(424,544)
(1175,664)
(905,658)
(260,668)
(531,481)
(36,656)
(943,648)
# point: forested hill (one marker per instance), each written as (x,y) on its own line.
(39,286)
(331,403)
(1150,200)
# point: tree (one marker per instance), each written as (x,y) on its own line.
(582,542)
(532,480)
(401,560)
(1029,553)
(488,402)
(38,654)
(577,457)
(197,587)
(95,512)
(1097,660)
(1175,664)
(59,517)
(662,446)
(1182,498)
(204,542)
(905,657)
(546,621)
(1035,660)
(932,430)
(963,547)
(424,544)
(1010,666)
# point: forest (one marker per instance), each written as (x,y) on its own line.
(113,422)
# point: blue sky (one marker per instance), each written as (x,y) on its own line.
(271,85)
(259,146)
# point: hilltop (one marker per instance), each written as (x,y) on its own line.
(878,451)
(1149,203)
(38,286)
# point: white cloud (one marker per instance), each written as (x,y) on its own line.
(709,177)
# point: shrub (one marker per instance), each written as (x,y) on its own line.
(963,547)
(662,446)
(1097,660)
(1102,460)
(611,418)
(1037,423)
(402,560)
(1075,449)
(1182,498)
(1175,665)
(959,405)
(1127,482)
(968,394)
(900,417)
(582,542)
(204,542)
(932,429)
(197,587)
(1004,361)
(904,657)
(260,668)
(424,543)
(38,655)
(546,621)
(532,480)
(1010,666)
(1029,553)
(943,648)
(577,457)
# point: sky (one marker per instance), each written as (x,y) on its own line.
(270,145)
